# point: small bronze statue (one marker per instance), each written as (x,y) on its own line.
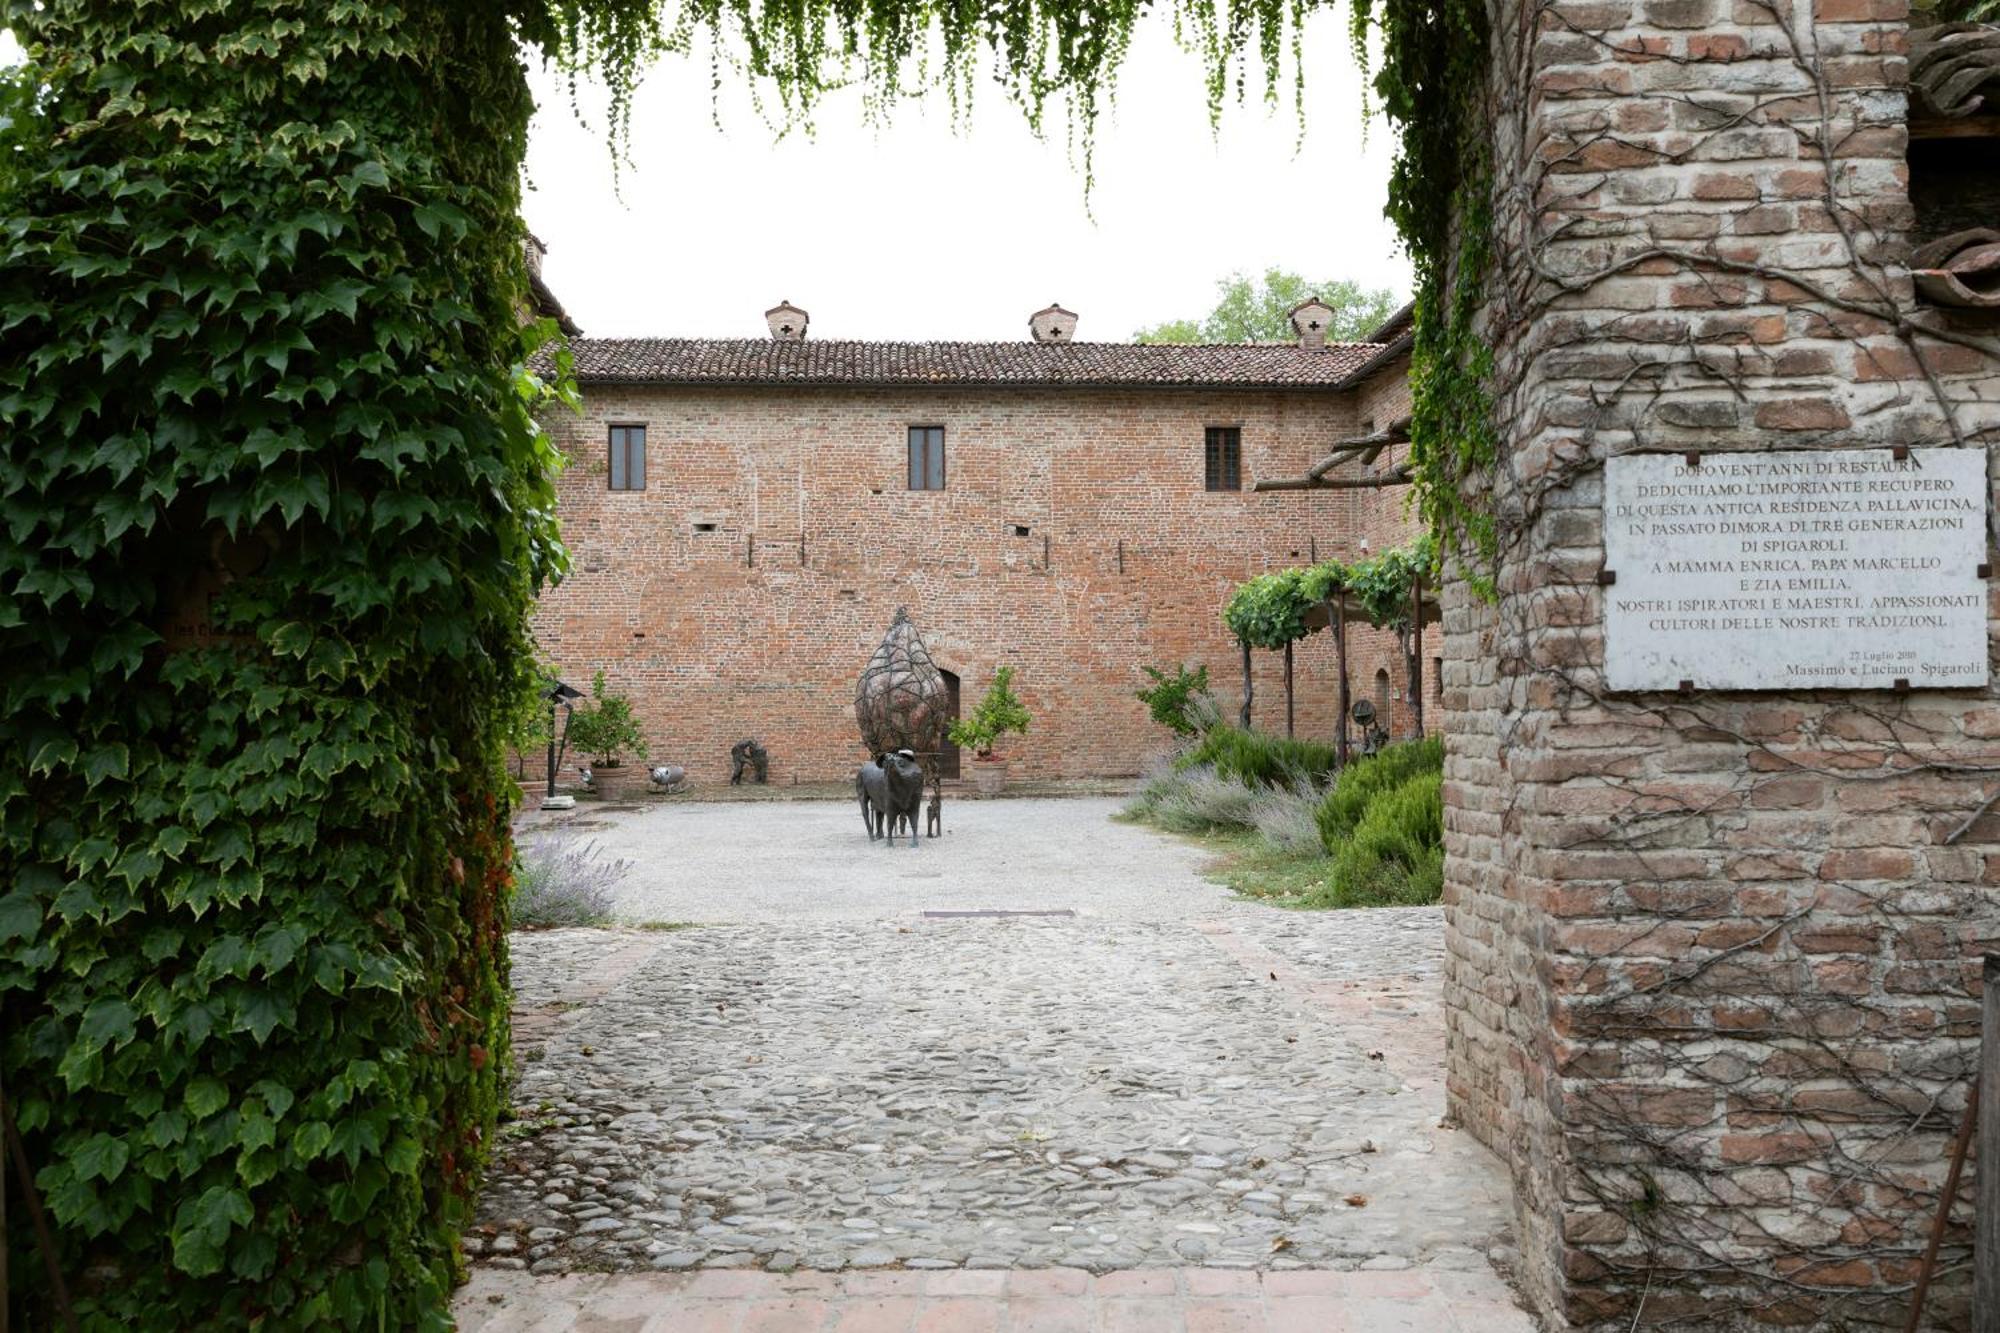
(934,815)
(748,755)
(1373,734)
(890,788)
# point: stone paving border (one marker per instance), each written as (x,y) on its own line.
(1032,1300)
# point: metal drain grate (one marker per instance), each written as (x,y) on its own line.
(1003,911)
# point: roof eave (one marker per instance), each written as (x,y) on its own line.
(801,382)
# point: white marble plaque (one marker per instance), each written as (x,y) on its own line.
(1796,570)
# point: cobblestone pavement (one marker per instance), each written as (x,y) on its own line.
(1203,1085)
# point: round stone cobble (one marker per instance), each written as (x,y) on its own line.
(1009,1092)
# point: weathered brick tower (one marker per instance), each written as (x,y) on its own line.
(1714,950)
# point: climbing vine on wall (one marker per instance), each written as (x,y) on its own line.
(274,509)
(1432,85)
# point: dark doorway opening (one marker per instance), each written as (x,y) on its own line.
(948,757)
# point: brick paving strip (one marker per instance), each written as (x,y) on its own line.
(1036,1300)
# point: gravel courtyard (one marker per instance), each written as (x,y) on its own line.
(811,860)
(820,1076)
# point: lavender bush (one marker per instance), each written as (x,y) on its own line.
(565,881)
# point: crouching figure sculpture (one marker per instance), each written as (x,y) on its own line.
(890,790)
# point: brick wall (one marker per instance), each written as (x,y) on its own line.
(742,591)
(1712,977)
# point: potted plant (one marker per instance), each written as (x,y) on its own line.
(604,732)
(1000,712)
(527,741)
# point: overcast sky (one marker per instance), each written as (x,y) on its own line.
(912,231)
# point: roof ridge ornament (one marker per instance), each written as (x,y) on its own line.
(1053,324)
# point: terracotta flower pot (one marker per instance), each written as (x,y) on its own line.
(988,775)
(616,782)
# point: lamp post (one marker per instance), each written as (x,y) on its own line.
(561,696)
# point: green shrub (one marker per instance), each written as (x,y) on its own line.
(604,729)
(1179,702)
(1365,779)
(1258,760)
(1396,853)
(1195,800)
(999,712)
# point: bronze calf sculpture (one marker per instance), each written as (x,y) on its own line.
(748,755)
(890,790)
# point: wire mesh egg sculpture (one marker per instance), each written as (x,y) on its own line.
(901,701)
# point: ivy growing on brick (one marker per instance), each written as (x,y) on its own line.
(274,509)
(1432,86)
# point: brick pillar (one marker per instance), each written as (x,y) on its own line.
(1713,976)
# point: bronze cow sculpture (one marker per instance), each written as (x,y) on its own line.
(890,790)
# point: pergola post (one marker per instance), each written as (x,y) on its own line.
(1337,617)
(1247,686)
(1288,689)
(1417,653)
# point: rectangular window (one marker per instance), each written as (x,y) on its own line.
(628,458)
(1223,457)
(927,458)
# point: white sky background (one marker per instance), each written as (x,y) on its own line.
(912,231)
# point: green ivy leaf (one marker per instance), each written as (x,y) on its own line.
(100,1157)
(166,1129)
(292,639)
(20,916)
(107,1022)
(202,1226)
(312,1140)
(260,1013)
(204,1097)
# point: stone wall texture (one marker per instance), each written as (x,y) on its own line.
(741,593)
(1713,973)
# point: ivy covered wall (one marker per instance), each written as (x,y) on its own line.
(273,510)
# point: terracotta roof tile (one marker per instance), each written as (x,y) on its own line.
(828,361)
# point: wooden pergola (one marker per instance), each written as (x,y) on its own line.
(1364,449)
(1334,613)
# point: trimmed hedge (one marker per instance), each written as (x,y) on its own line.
(1366,779)
(275,508)
(1258,760)
(1396,852)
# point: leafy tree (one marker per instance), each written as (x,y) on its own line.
(1176,701)
(1257,310)
(998,713)
(605,728)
